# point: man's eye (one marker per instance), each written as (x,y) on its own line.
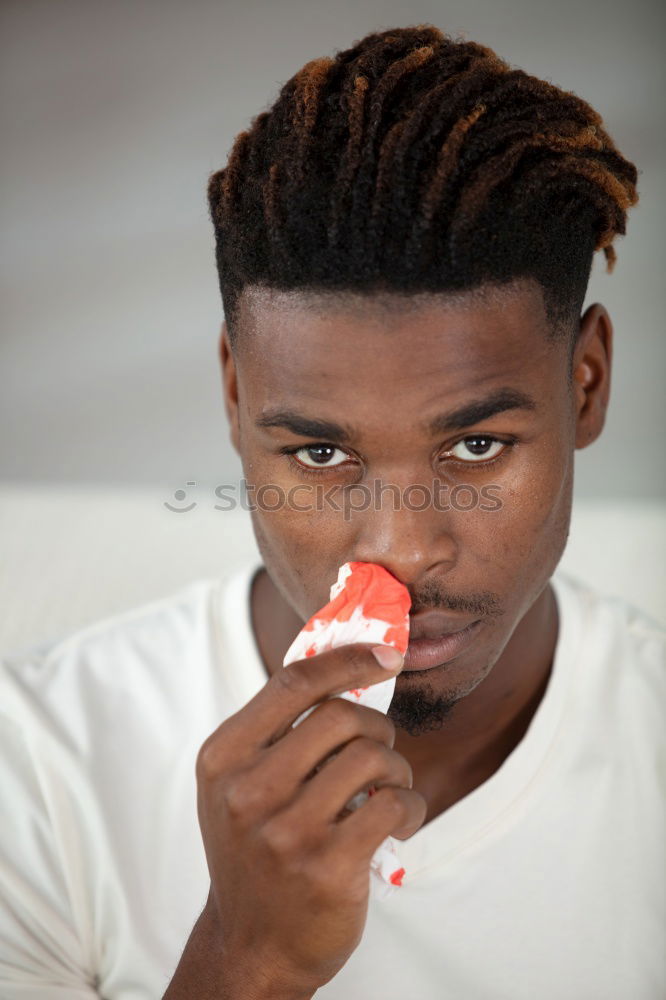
(320,455)
(478,448)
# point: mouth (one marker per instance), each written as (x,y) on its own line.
(427,652)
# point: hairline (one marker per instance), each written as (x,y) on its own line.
(373,302)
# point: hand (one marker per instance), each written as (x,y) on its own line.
(289,866)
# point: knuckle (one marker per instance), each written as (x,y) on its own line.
(339,715)
(357,661)
(401,769)
(239,796)
(280,837)
(293,679)
(216,751)
(368,752)
(394,803)
(208,761)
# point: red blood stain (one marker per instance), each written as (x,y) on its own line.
(398,636)
(395,878)
(378,594)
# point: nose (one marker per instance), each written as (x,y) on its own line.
(406,535)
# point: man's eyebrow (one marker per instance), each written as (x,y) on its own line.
(305,426)
(482,409)
(463,416)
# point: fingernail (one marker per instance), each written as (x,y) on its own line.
(387,657)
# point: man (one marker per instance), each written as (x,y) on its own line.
(404,242)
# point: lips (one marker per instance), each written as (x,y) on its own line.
(431,646)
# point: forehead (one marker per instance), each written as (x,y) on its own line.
(329,346)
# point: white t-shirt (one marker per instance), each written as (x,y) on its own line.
(546,882)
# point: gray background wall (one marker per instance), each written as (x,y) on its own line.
(113,115)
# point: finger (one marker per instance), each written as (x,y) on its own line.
(293,689)
(390,812)
(361,763)
(273,782)
(331,725)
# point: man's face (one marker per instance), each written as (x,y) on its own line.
(470,511)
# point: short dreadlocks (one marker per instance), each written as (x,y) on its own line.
(416,162)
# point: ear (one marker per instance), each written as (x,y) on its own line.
(591,373)
(229,386)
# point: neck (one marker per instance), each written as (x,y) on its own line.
(486,725)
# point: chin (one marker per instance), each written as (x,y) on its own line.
(421,710)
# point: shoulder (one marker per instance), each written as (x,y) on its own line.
(95,741)
(604,614)
(141,657)
(620,659)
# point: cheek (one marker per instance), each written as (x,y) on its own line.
(302,551)
(527,535)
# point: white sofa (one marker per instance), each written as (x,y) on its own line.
(71,556)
